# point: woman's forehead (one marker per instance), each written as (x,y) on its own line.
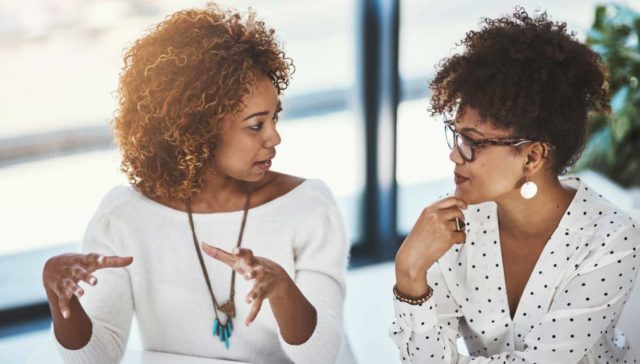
(469,118)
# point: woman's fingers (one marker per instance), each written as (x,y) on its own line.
(93,262)
(81,274)
(257,271)
(258,291)
(93,258)
(455,224)
(244,253)
(459,237)
(115,262)
(62,273)
(246,262)
(57,289)
(242,266)
(219,254)
(255,309)
(70,288)
(450,202)
(241,260)
(63,304)
(451,214)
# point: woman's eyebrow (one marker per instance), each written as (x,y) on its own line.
(263,113)
(259,113)
(471,130)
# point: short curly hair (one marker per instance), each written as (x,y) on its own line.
(529,75)
(178,83)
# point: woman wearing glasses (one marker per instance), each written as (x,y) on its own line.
(199,102)
(524,266)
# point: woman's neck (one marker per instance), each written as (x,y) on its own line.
(220,193)
(538,216)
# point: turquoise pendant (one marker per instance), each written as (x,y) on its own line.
(223,331)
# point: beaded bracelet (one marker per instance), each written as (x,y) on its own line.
(412,300)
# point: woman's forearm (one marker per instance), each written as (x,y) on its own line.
(411,278)
(411,285)
(74,332)
(295,315)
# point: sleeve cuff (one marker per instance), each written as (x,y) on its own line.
(417,318)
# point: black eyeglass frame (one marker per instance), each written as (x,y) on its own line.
(473,144)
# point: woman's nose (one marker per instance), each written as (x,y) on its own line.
(455,156)
(273,137)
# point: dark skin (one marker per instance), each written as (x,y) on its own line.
(522,247)
(60,278)
(246,141)
(495,174)
(296,317)
(518,262)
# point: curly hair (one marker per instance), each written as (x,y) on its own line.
(529,75)
(179,81)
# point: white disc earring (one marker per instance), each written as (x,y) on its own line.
(528,189)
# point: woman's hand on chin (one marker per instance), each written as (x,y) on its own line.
(439,226)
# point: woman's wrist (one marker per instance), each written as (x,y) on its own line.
(412,300)
(411,277)
(283,286)
(412,269)
(411,284)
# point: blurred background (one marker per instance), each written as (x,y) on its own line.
(355,116)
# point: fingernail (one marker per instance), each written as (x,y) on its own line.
(247,323)
(247,276)
(235,250)
(65,314)
(100,259)
(92,281)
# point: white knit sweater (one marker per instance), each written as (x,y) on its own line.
(165,288)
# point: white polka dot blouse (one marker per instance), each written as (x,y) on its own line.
(569,308)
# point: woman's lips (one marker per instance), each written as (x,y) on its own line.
(459,179)
(265,165)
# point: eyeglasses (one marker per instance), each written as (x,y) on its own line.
(467,147)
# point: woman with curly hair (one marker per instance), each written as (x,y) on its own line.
(196,126)
(525,266)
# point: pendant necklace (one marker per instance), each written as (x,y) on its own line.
(222,330)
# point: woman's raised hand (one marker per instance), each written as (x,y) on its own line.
(439,226)
(62,273)
(270,278)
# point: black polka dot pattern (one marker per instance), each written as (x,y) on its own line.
(568,310)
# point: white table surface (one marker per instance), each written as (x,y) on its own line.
(48,353)
(148,357)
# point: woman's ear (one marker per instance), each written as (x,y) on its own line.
(536,157)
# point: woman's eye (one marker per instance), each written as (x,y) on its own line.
(257,126)
(466,140)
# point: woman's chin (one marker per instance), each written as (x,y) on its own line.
(461,193)
(257,176)
(468,197)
